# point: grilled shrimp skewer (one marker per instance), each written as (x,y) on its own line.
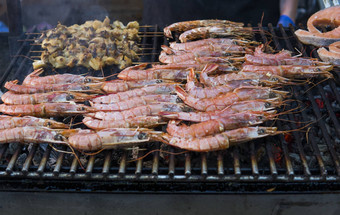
(51,97)
(211,92)
(225,78)
(134,122)
(147,110)
(219,141)
(44,88)
(12,122)
(140,73)
(88,140)
(214,31)
(136,102)
(116,86)
(149,90)
(210,41)
(245,106)
(291,71)
(46,109)
(29,134)
(220,102)
(214,126)
(187,25)
(35,79)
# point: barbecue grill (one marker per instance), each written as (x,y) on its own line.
(298,161)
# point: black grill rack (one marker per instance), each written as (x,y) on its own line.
(278,163)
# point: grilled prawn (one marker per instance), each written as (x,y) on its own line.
(244,106)
(34,79)
(122,96)
(31,134)
(222,101)
(89,140)
(44,88)
(215,126)
(135,122)
(219,141)
(187,25)
(37,98)
(13,122)
(210,92)
(45,109)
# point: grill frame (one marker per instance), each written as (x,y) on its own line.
(162,178)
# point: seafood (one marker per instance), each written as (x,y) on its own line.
(333,55)
(146,110)
(198,66)
(282,54)
(225,78)
(139,73)
(327,17)
(25,89)
(230,62)
(214,31)
(214,126)
(89,140)
(12,122)
(187,25)
(31,134)
(238,107)
(211,92)
(219,141)
(210,41)
(121,96)
(208,47)
(35,79)
(135,122)
(136,102)
(45,109)
(37,98)
(254,60)
(116,86)
(222,101)
(190,56)
(291,71)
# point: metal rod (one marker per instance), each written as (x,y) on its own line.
(187,168)
(272,164)
(44,159)
(107,162)
(59,162)
(171,163)
(13,160)
(74,165)
(155,163)
(29,158)
(253,159)
(139,164)
(90,165)
(220,168)
(204,166)
(122,165)
(237,169)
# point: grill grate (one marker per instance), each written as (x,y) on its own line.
(283,159)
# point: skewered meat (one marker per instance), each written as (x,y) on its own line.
(93,44)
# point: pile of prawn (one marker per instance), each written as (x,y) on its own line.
(209,94)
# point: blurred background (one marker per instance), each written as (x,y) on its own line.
(69,12)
